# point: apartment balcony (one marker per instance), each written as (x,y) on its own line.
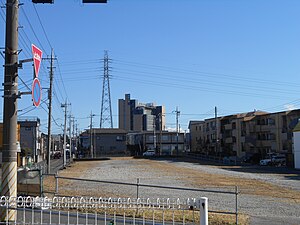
(264,143)
(250,139)
(234,133)
(228,127)
(264,127)
(252,128)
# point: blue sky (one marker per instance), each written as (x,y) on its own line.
(194,54)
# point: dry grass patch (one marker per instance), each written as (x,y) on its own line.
(246,186)
(198,179)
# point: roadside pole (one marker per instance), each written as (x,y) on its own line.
(50,115)
(65,135)
(9,154)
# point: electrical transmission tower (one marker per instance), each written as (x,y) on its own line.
(106,114)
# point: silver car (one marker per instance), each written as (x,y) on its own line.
(149,153)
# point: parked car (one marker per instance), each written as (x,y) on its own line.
(278,160)
(149,152)
(275,160)
(265,162)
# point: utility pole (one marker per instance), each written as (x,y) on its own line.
(73,136)
(177,130)
(65,134)
(9,152)
(76,140)
(160,130)
(71,120)
(50,113)
(216,131)
(91,136)
(154,136)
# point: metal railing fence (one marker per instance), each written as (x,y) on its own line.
(138,187)
(90,210)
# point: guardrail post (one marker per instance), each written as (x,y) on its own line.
(236,205)
(203,211)
(41,182)
(137,187)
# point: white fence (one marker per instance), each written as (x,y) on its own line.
(84,210)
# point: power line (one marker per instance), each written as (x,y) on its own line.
(202,81)
(42,26)
(198,88)
(216,75)
(33,31)
(60,75)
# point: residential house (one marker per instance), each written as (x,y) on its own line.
(99,142)
(30,139)
(164,142)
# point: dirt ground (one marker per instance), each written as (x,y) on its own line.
(264,193)
(199,179)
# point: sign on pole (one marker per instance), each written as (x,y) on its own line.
(37,58)
(36,92)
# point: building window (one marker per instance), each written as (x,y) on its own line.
(271,121)
(165,138)
(234,139)
(243,147)
(27,128)
(234,125)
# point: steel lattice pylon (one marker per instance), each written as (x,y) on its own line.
(106,112)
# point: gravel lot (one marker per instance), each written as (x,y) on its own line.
(279,205)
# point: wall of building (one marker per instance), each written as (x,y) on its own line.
(105,141)
(297,149)
(134,116)
(107,144)
(125,112)
(256,132)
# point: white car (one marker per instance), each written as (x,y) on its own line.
(265,162)
(149,153)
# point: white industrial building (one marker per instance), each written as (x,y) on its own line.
(296,142)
